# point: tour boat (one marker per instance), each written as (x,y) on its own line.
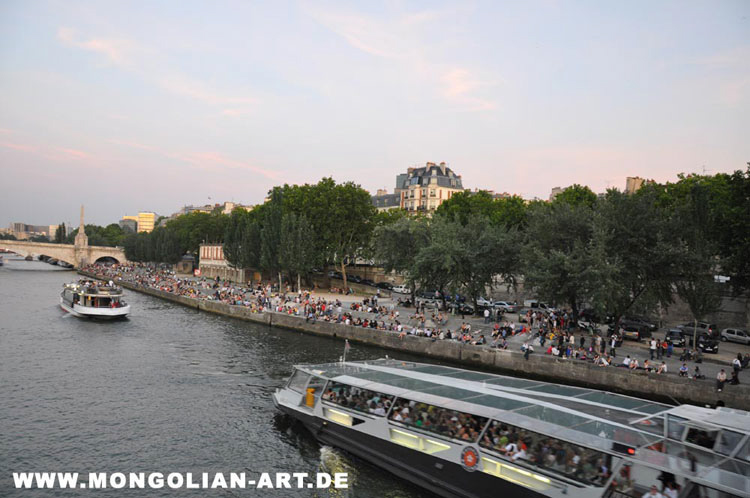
(460,433)
(92,299)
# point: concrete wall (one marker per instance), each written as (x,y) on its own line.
(570,372)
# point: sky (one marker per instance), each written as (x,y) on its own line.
(125,105)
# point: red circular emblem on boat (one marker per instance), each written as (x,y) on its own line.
(470,458)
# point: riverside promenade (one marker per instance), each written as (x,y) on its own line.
(664,387)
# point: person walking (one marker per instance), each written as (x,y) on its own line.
(613,346)
(486,315)
(652,348)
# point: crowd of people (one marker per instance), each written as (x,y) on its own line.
(449,423)
(575,461)
(555,333)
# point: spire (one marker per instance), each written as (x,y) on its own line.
(81,229)
(81,238)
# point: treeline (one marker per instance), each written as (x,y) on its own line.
(614,253)
(180,236)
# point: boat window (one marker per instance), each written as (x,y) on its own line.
(449,423)
(744,453)
(313,390)
(571,460)
(728,441)
(699,437)
(356,398)
(298,382)
(676,427)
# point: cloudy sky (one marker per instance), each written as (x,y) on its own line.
(128,106)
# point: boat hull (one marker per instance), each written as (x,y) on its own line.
(446,479)
(95,313)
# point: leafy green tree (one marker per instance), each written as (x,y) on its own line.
(396,245)
(60,234)
(296,249)
(7,236)
(576,195)
(698,262)
(271,235)
(635,254)
(558,262)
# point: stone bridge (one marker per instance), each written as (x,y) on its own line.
(77,255)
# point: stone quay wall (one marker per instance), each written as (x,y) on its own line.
(665,387)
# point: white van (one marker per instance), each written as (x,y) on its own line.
(537,305)
(401,289)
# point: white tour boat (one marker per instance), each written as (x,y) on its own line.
(460,433)
(92,299)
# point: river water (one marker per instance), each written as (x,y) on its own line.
(168,390)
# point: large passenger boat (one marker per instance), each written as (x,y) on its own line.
(92,299)
(460,433)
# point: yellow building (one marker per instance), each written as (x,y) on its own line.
(634,183)
(146,221)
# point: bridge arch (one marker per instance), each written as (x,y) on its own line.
(107,260)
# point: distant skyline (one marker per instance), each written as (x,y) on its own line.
(125,106)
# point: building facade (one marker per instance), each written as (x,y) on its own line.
(421,190)
(634,183)
(212,264)
(146,221)
(129,224)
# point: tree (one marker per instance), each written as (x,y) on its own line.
(397,244)
(271,234)
(698,262)
(557,255)
(576,195)
(634,253)
(60,234)
(296,250)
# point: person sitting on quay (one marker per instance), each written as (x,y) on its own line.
(684,370)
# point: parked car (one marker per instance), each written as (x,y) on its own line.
(642,321)
(401,289)
(354,278)
(384,285)
(506,307)
(709,328)
(483,303)
(635,332)
(675,337)
(462,308)
(431,303)
(335,274)
(538,305)
(735,335)
(706,342)
(367,281)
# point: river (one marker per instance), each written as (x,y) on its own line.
(168,390)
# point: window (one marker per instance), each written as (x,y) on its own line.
(699,437)
(545,452)
(298,382)
(442,421)
(728,440)
(432,192)
(675,427)
(356,398)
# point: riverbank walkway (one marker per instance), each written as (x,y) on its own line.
(385,314)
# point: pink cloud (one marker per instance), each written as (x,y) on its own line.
(9,145)
(118,51)
(133,145)
(212,161)
(78,154)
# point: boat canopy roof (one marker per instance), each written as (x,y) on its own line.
(101,290)
(662,436)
